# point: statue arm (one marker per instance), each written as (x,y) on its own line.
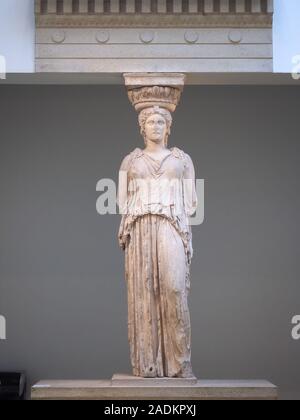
(123,185)
(190,195)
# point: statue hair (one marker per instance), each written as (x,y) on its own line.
(147,112)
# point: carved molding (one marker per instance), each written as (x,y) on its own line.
(162,96)
(164,21)
(146,13)
(154,89)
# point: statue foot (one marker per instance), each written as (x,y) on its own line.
(186,372)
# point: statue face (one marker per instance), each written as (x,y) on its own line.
(155,128)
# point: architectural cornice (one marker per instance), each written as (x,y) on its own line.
(154,21)
(154,13)
(133,36)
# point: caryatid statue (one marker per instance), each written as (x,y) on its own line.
(156,196)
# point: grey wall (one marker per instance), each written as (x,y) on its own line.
(62,287)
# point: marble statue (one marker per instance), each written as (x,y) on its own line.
(157,239)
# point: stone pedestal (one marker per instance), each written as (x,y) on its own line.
(129,381)
(125,387)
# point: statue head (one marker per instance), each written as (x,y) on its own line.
(155,124)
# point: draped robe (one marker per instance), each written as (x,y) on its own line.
(156,198)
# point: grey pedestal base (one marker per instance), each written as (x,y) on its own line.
(123,387)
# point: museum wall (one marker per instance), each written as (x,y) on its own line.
(286,35)
(62,286)
(17,32)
